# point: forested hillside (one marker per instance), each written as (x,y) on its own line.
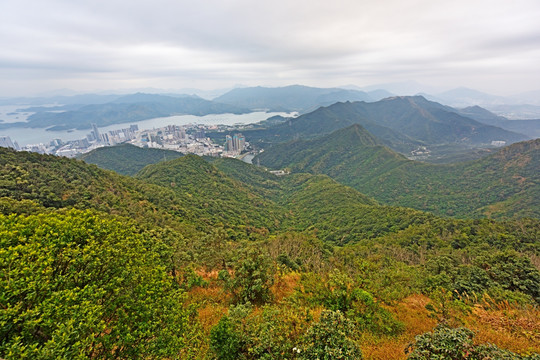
(127,159)
(505,184)
(402,123)
(199,259)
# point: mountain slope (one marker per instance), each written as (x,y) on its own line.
(57,182)
(212,195)
(127,159)
(402,123)
(504,184)
(529,127)
(338,214)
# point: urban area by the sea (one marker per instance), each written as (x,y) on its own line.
(187,139)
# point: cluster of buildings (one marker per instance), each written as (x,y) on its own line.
(188,139)
(235,144)
(5,141)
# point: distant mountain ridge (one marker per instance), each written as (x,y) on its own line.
(125,109)
(529,127)
(289,98)
(506,183)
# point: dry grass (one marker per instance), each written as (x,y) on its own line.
(509,327)
(502,324)
(284,285)
(412,312)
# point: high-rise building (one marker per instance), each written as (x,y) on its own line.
(200,134)
(5,141)
(95,132)
(235,143)
(228,143)
(239,141)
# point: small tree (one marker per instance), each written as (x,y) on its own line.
(252,279)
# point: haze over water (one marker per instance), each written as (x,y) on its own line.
(25,136)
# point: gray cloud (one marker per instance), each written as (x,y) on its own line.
(84,45)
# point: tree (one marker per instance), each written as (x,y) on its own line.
(253,277)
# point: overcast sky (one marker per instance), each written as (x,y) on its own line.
(89,45)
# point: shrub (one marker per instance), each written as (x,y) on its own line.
(446,343)
(225,341)
(339,293)
(330,339)
(252,279)
(84,285)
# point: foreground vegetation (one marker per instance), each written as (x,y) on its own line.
(197,259)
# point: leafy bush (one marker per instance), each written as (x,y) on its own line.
(506,275)
(225,341)
(252,279)
(446,343)
(513,272)
(245,333)
(330,339)
(445,308)
(339,293)
(82,285)
(192,279)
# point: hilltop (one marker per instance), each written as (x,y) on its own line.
(127,159)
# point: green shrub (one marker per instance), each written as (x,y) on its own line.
(225,341)
(330,339)
(446,343)
(77,284)
(339,293)
(252,279)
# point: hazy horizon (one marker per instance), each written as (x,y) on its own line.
(99,46)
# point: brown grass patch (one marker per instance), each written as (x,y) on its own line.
(412,312)
(284,285)
(209,316)
(514,329)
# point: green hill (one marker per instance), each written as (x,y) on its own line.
(213,196)
(402,123)
(127,159)
(504,184)
(191,193)
(338,214)
(57,182)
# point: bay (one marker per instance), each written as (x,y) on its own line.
(25,136)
